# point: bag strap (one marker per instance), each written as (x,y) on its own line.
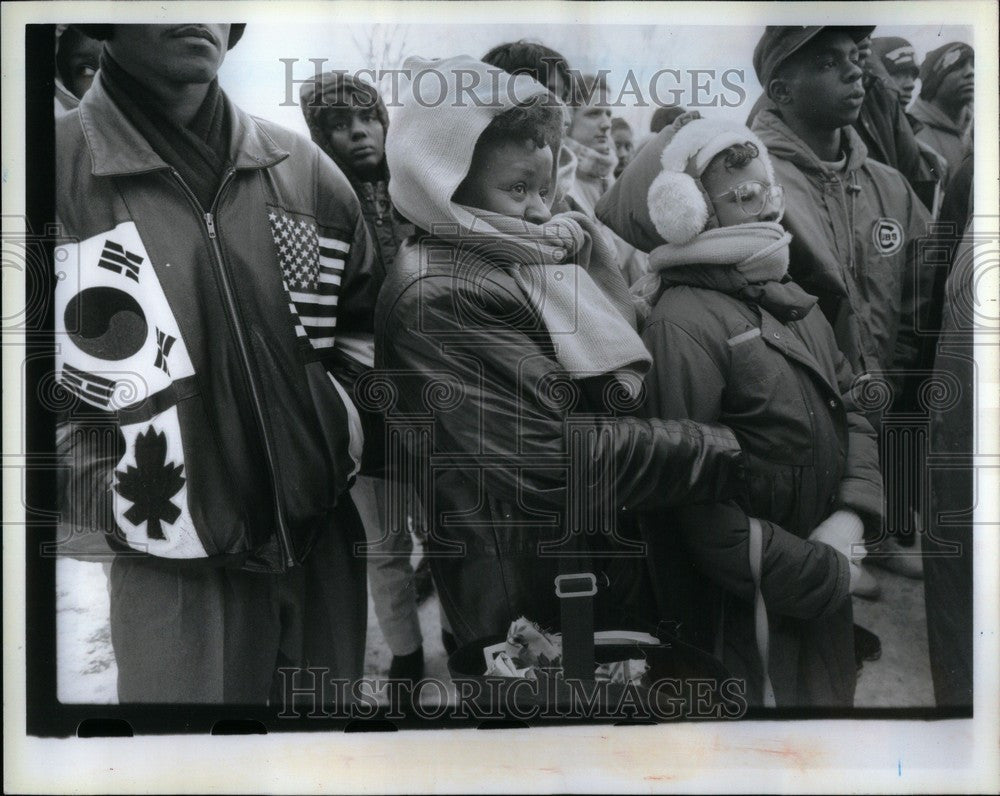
(576,607)
(760,609)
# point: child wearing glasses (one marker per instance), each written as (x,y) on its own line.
(764,584)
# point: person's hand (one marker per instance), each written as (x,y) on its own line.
(844,532)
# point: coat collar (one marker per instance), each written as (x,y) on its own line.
(933,116)
(783,143)
(117,148)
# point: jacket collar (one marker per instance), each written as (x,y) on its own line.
(782,142)
(117,148)
(933,116)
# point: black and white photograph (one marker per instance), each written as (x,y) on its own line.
(558,397)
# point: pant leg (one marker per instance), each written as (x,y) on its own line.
(200,635)
(324,607)
(390,572)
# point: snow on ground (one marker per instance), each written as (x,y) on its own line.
(86,671)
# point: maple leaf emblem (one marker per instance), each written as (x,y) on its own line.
(151,483)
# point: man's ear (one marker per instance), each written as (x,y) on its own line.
(780,91)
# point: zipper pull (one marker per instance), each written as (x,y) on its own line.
(210,223)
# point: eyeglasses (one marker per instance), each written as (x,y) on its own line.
(753,196)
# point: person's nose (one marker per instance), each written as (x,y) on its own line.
(771,213)
(358,130)
(536,212)
(853,73)
(606,122)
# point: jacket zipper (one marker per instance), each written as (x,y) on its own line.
(234,314)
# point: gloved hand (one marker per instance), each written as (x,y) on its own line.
(844,532)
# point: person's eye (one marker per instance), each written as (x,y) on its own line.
(544,192)
(520,189)
(87,71)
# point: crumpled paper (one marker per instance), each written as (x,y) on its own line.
(529,650)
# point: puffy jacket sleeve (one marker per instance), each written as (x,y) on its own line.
(506,411)
(860,489)
(799,578)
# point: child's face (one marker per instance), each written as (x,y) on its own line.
(623,145)
(356,137)
(511,178)
(741,195)
(824,81)
(591,126)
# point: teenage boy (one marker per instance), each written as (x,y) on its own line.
(900,62)
(213,262)
(947,86)
(854,221)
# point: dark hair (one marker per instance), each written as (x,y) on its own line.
(534,121)
(737,156)
(529,58)
(618,123)
(663,116)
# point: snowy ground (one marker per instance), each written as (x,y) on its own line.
(87,672)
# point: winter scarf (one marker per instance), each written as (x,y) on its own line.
(746,260)
(198,152)
(591,163)
(570,276)
(566,268)
(759,251)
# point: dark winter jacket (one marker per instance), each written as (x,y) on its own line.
(939,132)
(855,238)
(508,453)
(213,341)
(785,390)
(886,132)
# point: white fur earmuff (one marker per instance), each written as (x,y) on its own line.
(677,205)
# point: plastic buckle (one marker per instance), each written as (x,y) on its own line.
(582,584)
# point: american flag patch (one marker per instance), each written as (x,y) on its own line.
(311,268)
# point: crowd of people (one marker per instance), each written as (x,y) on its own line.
(549,342)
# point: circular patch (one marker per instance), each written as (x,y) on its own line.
(109,324)
(887,235)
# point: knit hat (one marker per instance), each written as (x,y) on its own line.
(939,63)
(780,42)
(104,32)
(897,55)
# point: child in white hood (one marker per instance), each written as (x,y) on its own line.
(507,341)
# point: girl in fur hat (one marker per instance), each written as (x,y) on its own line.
(765,586)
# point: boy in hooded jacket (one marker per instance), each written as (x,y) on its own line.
(735,342)
(507,351)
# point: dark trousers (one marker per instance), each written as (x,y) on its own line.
(219,635)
